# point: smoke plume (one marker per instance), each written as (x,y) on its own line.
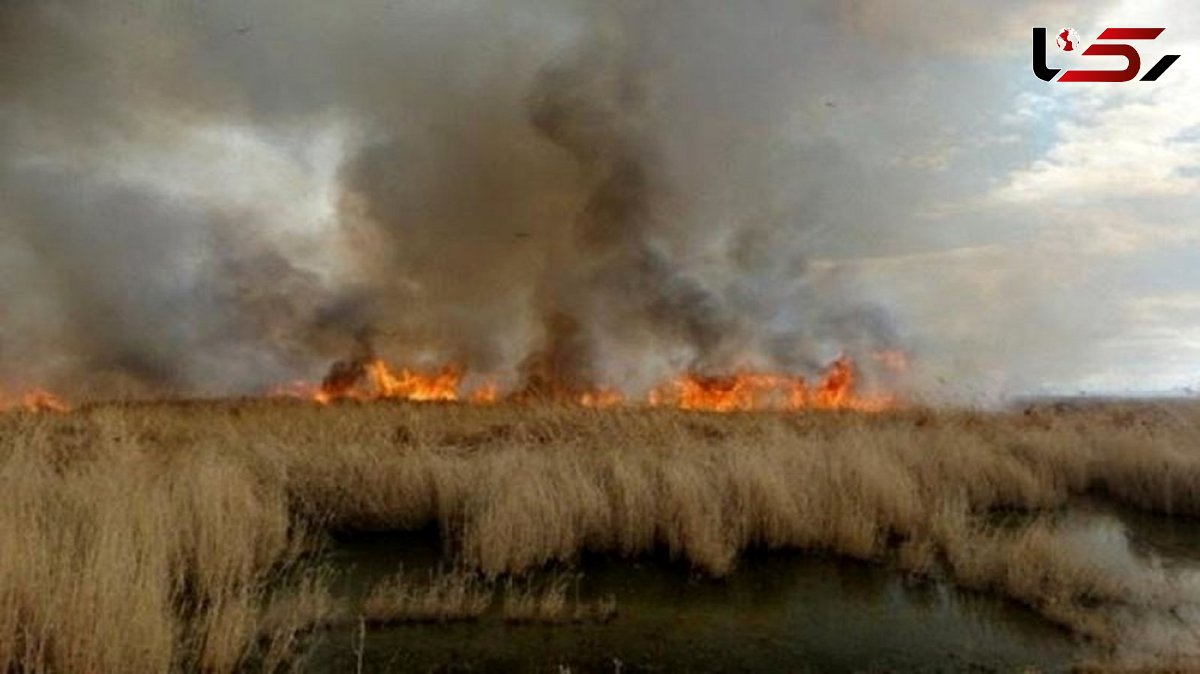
(215,197)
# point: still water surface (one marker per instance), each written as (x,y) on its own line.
(778,612)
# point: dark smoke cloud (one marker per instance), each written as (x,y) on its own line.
(560,194)
(200,305)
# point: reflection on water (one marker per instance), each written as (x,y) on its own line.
(1175,541)
(1158,557)
(778,612)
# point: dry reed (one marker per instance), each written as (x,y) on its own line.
(460,595)
(151,537)
(453,596)
(547,602)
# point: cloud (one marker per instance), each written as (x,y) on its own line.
(1128,141)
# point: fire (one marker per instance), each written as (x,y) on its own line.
(743,391)
(837,386)
(366,379)
(34,400)
(409,385)
(374,379)
(601,398)
(759,390)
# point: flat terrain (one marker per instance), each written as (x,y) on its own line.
(160,536)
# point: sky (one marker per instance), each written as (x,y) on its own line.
(1068,212)
(214,196)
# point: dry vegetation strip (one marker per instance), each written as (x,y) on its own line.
(462,596)
(445,597)
(152,537)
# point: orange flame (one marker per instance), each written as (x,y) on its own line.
(35,400)
(743,391)
(758,390)
(373,379)
(409,385)
(601,398)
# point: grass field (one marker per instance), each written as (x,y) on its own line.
(161,536)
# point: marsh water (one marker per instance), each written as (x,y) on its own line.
(778,612)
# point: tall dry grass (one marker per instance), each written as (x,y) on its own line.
(445,597)
(152,537)
(461,595)
(117,557)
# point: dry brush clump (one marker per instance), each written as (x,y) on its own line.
(453,596)
(461,595)
(115,556)
(165,524)
(549,601)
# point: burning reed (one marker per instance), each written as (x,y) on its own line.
(154,537)
(369,378)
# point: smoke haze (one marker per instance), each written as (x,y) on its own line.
(214,197)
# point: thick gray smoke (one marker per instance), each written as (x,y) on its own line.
(214,197)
